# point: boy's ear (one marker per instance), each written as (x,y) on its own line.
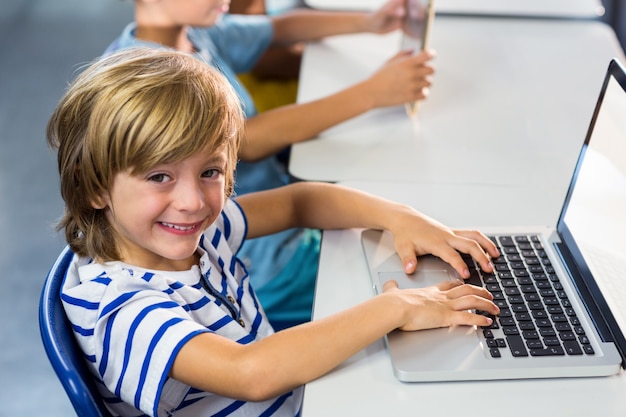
(100,202)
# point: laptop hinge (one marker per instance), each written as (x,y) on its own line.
(596,305)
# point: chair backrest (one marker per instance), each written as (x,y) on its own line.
(62,349)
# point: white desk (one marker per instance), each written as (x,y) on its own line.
(510,94)
(585,9)
(514,95)
(365,386)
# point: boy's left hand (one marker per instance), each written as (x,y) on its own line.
(388,18)
(426,236)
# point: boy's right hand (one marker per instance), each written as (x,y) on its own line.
(442,305)
(403,79)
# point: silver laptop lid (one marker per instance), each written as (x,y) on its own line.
(592,224)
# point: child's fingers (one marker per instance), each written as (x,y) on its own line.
(406,252)
(448,285)
(475,302)
(391,285)
(458,291)
(482,240)
(467,318)
(424,56)
(451,256)
(480,247)
(400,55)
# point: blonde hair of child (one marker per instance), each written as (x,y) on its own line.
(131,111)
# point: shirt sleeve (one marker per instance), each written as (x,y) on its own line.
(232,224)
(242,39)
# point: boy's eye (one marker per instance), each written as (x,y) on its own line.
(158,178)
(210,173)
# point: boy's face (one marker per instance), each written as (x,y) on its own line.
(159,215)
(201,13)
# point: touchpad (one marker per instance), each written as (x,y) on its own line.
(421,278)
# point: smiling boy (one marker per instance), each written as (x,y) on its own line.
(160,304)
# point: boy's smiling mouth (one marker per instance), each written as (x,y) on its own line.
(181,228)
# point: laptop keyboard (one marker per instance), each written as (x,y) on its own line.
(536,317)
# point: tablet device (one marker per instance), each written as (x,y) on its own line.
(416,32)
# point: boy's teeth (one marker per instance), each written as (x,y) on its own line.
(173,226)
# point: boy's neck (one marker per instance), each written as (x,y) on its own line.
(171,36)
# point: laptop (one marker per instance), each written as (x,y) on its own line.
(560,290)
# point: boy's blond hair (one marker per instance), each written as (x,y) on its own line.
(131,111)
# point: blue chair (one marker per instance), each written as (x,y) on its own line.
(61,347)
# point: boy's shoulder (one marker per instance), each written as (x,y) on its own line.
(230,226)
(239,25)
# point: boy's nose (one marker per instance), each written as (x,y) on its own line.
(189,196)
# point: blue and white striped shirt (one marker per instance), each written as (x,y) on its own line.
(131,322)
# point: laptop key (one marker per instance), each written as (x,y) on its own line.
(544,323)
(510,249)
(532,260)
(551,341)
(534,344)
(572,347)
(507,321)
(474,279)
(510,330)
(549,351)
(495,352)
(527,325)
(518,273)
(563,327)
(588,349)
(489,278)
(530,334)
(516,346)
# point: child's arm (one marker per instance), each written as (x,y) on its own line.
(403,79)
(307,25)
(292,357)
(328,206)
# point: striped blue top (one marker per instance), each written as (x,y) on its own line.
(131,322)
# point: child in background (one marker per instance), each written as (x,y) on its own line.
(273,81)
(161,306)
(233,44)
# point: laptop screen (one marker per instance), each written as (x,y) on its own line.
(593,220)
